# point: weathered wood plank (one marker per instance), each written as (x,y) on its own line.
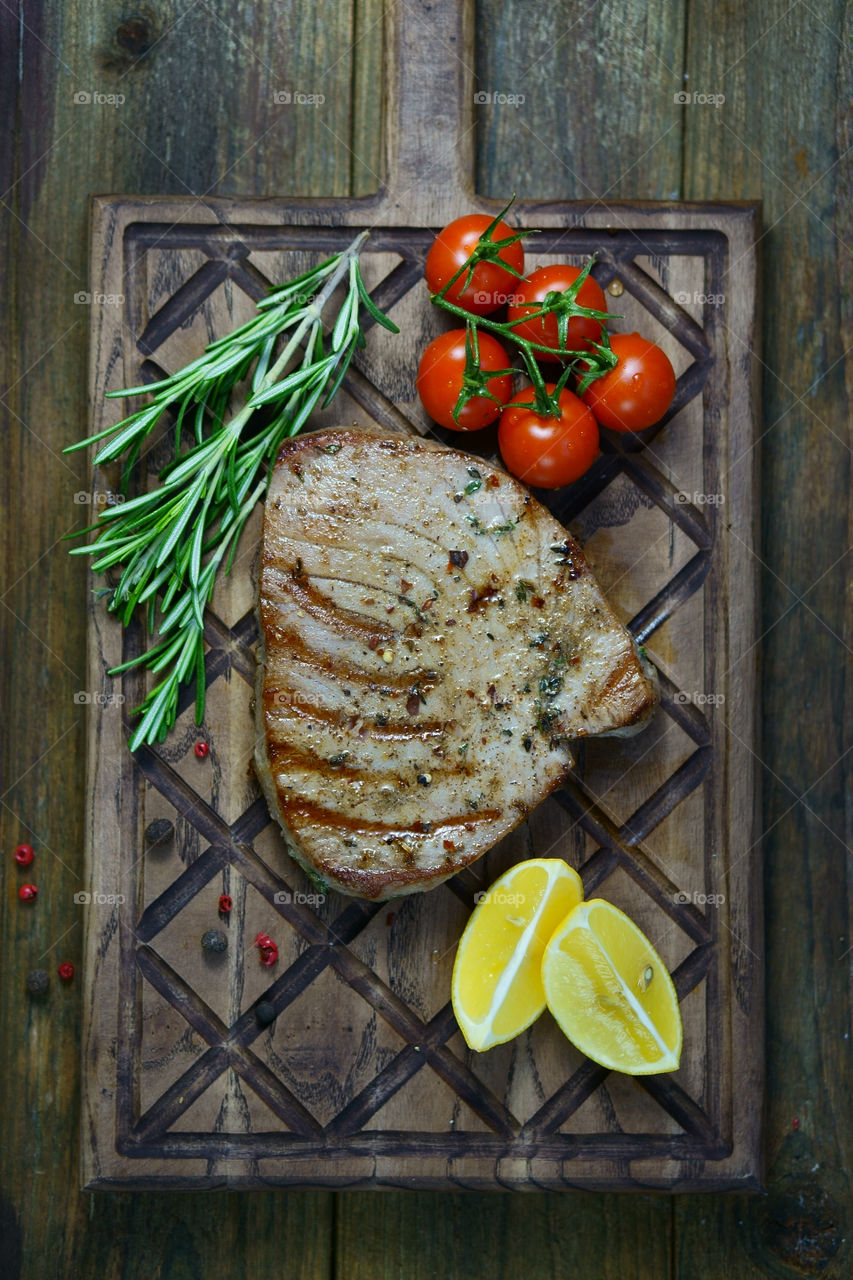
(198,115)
(606,1236)
(576,100)
(428,145)
(770,81)
(475,1236)
(786,77)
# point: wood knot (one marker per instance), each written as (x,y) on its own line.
(803,1227)
(135,35)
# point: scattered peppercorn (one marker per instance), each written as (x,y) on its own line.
(265,1013)
(66,971)
(225,904)
(159,832)
(28,892)
(24,855)
(795,1123)
(38,981)
(214,940)
(268,950)
(202,750)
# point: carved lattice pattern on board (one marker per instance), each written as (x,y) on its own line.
(328,940)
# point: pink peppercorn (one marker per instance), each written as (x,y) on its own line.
(268,949)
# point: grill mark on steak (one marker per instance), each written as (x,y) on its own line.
(324,609)
(344,717)
(283,754)
(299,651)
(379,526)
(362,785)
(337,821)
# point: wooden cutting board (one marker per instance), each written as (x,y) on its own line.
(363,1080)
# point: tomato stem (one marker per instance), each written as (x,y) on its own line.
(595,360)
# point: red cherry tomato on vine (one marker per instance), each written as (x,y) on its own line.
(439,381)
(529,295)
(490,285)
(638,391)
(548,452)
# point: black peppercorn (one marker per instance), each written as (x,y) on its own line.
(38,981)
(265,1013)
(214,940)
(159,832)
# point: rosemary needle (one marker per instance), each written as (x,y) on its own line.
(168,545)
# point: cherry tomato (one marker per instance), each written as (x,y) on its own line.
(440,381)
(638,391)
(530,294)
(490,285)
(548,452)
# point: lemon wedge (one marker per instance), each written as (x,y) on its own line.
(497,986)
(610,992)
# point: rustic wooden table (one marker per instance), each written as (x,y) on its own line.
(181,98)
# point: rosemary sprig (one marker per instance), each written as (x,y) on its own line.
(170,543)
(592,363)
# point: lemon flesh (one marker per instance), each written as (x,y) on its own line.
(497,988)
(610,992)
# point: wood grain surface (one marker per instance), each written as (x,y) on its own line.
(363,1080)
(782,136)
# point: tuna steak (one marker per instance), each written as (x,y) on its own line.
(432,640)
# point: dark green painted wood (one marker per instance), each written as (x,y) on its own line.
(598,82)
(597,118)
(199,115)
(793,73)
(458,1237)
(783,135)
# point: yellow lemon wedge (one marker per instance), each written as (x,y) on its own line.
(497,977)
(610,991)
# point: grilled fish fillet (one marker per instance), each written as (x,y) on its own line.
(431,641)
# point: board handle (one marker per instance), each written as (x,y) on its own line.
(429,111)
